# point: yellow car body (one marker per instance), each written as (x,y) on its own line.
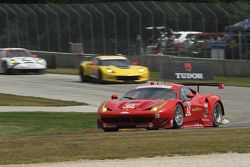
(113,69)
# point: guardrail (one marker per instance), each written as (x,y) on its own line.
(220,67)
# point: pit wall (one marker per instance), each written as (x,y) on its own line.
(239,68)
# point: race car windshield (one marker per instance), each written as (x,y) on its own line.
(18,53)
(115,62)
(150,93)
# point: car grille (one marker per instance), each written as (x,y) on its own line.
(127,78)
(128,120)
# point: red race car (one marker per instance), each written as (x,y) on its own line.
(157,106)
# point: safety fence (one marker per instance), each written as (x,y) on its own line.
(130,28)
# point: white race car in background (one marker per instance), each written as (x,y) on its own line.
(20,60)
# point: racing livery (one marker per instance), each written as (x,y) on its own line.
(112,69)
(157,106)
(19,59)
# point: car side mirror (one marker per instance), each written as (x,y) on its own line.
(135,63)
(114,96)
(190,95)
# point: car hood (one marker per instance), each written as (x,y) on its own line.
(125,67)
(116,105)
(24,59)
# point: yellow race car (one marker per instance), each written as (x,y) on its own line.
(112,69)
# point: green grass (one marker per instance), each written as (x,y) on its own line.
(51,137)
(44,123)
(69,71)
(15,100)
(155,76)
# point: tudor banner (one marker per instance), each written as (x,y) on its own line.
(179,70)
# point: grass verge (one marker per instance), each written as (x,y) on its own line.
(51,137)
(15,100)
(228,81)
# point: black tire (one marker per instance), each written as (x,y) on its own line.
(99,79)
(110,129)
(40,72)
(178,116)
(5,68)
(81,73)
(217,115)
(152,128)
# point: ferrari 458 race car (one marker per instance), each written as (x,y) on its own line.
(157,106)
(19,59)
(113,69)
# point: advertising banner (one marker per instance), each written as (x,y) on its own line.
(182,70)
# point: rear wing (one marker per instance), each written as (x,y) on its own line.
(219,85)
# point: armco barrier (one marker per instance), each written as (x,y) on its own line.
(221,67)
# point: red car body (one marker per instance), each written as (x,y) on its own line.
(165,106)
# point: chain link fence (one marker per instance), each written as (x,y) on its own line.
(130,28)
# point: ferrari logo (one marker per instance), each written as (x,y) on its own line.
(130,106)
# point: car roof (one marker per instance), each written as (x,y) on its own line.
(12,49)
(171,86)
(111,57)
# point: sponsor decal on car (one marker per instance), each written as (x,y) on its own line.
(188,113)
(130,106)
(196,109)
(206,110)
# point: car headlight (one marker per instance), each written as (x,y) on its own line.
(104,108)
(40,61)
(13,61)
(141,70)
(156,108)
(109,70)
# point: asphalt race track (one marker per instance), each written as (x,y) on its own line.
(68,87)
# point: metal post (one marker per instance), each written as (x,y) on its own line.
(176,14)
(115,26)
(224,11)
(215,16)
(68,18)
(140,25)
(26,26)
(7,24)
(58,28)
(103,28)
(128,25)
(202,16)
(47,26)
(163,13)
(38,44)
(189,15)
(79,20)
(152,16)
(241,14)
(16,24)
(91,27)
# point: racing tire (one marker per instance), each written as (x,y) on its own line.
(178,116)
(81,73)
(5,69)
(217,115)
(40,72)
(110,129)
(100,78)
